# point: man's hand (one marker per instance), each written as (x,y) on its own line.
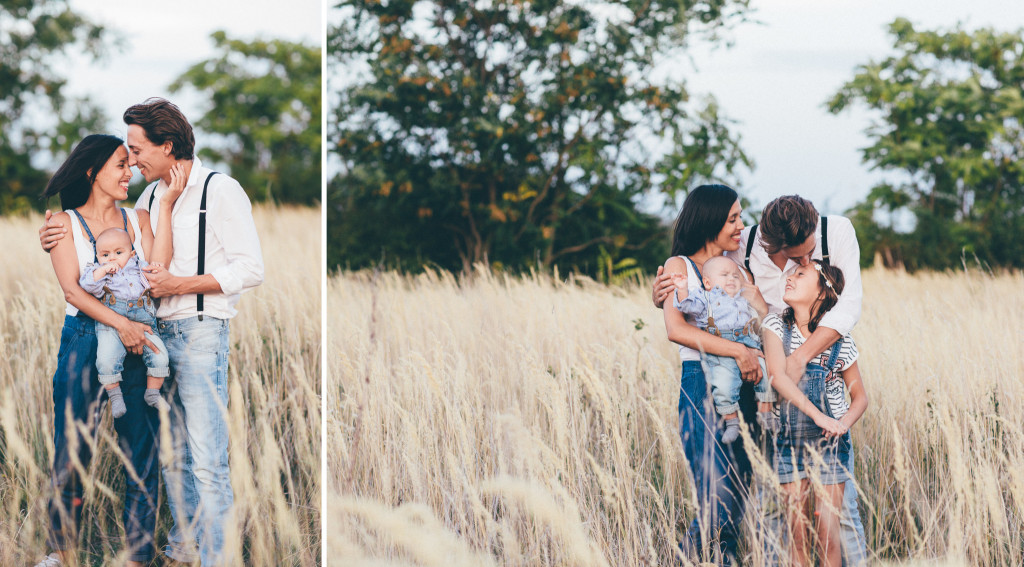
(161,282)
(663,287)
(747,360)
(796,364)
(51,231)
(133,336)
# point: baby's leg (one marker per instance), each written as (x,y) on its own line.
(725,383)
(109,364)
(766,397)
(157,368)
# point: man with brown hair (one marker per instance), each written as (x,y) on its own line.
(792,233)
(216,258)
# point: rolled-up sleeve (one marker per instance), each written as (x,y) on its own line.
(844,254)
(236,230)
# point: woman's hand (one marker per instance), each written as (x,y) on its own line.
(830,427)
(747,360)
(662,288)
(133,336)
(174,190)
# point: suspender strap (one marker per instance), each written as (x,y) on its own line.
(824,240)
(201,261)
(750,247)
(152,194)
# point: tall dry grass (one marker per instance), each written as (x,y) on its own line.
(274,407)
(529,421)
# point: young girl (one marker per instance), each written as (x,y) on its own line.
(813,417)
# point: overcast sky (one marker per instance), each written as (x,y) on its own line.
(774,80)
(777,77)
(163,39)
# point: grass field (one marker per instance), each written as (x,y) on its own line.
(274,408)
(531,421)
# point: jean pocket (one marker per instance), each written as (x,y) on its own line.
(206,338)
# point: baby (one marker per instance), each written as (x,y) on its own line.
(117,280)
(730,308)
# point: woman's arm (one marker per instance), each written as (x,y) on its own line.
(858,395)
(681,332)
(65,265)
(162,244)
(775,359)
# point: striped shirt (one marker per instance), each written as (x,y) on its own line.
(834,385)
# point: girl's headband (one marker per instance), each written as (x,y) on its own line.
(828,281)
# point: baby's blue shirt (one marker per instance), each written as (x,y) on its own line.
(730,312)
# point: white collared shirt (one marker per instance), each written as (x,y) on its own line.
(233,254)
(844,253)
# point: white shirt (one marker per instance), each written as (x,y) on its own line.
(834,385)
(86,252)
(233,254)
(693,285)
(844,253)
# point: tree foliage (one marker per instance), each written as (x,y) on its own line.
(952,125)
(36,118)
(265,104)
(516,133)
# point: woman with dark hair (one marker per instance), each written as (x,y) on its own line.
(708,225)
(90,182)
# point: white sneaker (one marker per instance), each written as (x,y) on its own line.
(51,560)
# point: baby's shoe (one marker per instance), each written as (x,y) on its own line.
(117,407)
(732,430)
(155,400)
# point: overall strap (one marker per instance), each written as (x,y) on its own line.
(152,194)
(824,240)
(201,260)
(124,220)
(700,277)
(89,232)
(750,248)
(834,354)
(787,337)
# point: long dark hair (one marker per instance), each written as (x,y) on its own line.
(827,298)
(73,180)
(702,217)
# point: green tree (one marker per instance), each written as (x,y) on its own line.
(265,105)
(515,132)
(36,118)
(952,126)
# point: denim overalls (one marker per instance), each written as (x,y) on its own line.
(799,433)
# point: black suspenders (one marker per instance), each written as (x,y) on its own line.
(824,244)
(201,260)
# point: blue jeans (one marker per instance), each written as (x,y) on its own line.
(110,351)
(724,375)
(198,479)
(851,529)
(721,473)
(78,395)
